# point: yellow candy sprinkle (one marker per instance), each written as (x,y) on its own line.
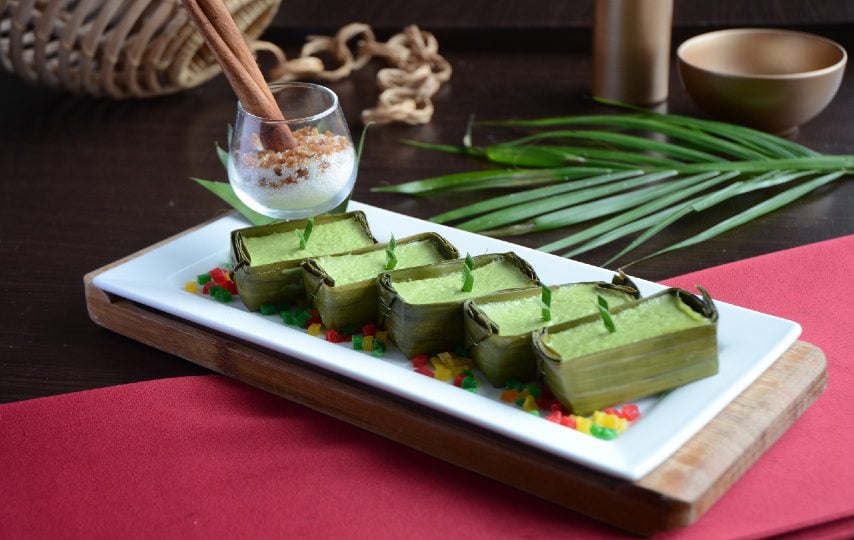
(191,287)
(530,404)
(609,421)
(314,329)
(447,359)
(583,424)
(381,335)
(368,343)
(442,373)
(457,364)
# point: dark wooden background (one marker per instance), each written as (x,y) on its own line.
(85,181)
(444,14)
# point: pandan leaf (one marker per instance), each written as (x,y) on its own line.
(602,305)
(390,257)
(305,234)
(224,191)
(576,170)
(752,213)
(546,299)
(468,274)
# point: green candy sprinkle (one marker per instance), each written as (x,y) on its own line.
(268,309)
(534,390)
(469,383)
(301,318)
(201,279)
(603,433)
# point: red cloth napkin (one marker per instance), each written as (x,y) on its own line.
(209,457)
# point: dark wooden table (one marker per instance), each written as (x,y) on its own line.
(88,181)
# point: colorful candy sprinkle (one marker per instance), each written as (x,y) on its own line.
(424,370)
(443,373)
(268,309)
(334,336)
(453,367)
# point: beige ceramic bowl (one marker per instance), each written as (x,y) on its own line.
(773,80)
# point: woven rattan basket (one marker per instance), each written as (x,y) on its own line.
(116,48)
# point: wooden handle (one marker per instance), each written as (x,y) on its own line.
(228,46)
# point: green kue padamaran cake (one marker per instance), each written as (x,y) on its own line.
(267,258)
(498,326)
(325,238)
(657,343)
(343,287)
(421,307)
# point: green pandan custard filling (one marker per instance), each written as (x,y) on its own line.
(326,238)
(649,318)
(491,277)
(523,315)
(346,269)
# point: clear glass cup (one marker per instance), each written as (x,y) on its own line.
(314,176)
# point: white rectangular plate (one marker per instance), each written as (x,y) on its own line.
(749,342)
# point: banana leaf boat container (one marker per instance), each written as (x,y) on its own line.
(275,274)
(506,353)
(421,307)
(660,342)
(352,299)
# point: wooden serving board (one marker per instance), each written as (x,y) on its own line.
(673,495)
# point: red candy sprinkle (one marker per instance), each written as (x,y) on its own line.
(424,371)
(611,410)
(207,287)
(369,330)
(458,380)
(420,360)
(630,412)
(555,416)
(219,276)
(568,421)
(333,336)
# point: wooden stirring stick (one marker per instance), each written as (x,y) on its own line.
(228,46)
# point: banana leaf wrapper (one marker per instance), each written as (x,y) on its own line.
(279,282)
(355,304)
(435,327)
(505,357)
(590,382)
